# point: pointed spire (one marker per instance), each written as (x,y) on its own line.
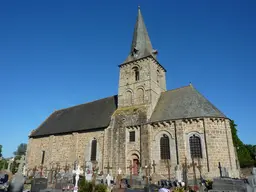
(141,44)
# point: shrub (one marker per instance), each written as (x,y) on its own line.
(85,186)
(247,163)
(179,189)
(101,188)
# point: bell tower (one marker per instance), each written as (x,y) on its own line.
(141,77)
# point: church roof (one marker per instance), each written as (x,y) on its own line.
(88,116)
(184,102)
(141,45)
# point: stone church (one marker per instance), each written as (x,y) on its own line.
(144,123)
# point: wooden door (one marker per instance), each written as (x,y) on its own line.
(135,166)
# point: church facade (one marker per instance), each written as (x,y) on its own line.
(144,125)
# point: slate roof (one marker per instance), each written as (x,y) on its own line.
(88,116)
(141,45)
(184,102)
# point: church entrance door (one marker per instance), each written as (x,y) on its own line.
(135,167)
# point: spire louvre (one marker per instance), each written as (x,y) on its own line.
(141,44)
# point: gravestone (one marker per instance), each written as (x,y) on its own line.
(88,171)
(109,178)
(17,183)
(21,163)
(63,179)
(178,173)
(9,164)
(38,184)
(228,184)
(4,181)
(252,181)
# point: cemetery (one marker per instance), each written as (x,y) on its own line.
(83,177)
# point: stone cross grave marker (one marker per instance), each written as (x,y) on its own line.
(66,168)
(108,178)
(21,163)
(147,167)
(154,166)
(108,168)
(9,164)
(119,177)
(185,167)
(199,167)
(168,166)
(77,172)
(178,173)
(130,167)
(193,165)
(119,171)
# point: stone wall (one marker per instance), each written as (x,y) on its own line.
(113,144)
(64,149)
(147,89)
(216,144)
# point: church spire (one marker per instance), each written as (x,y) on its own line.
(141,44)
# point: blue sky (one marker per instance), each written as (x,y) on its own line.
(56,54)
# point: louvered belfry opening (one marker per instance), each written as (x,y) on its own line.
(93,150)
(132,136)
(195,147)
(165,147)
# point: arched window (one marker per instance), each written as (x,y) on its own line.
(195,146)
(140,96)
(136,73)
(129,97)
(165,147)
(94,150)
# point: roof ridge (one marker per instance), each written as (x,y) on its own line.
(185,86)
(83,104)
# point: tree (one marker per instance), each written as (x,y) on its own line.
(3,164)
(1,155)
(244,156)
(252,150)
(21,150)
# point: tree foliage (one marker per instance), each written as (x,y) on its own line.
(244,153)
(21,150)
(3,164)
(1,148)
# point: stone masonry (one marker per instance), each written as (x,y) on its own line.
(142,82)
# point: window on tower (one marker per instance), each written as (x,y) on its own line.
(165,147)
(136,73)
(195,146)
(132,136)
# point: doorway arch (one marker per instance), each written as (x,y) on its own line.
(135,164)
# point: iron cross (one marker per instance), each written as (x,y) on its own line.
(108,168)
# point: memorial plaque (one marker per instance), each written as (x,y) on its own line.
(38,184)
